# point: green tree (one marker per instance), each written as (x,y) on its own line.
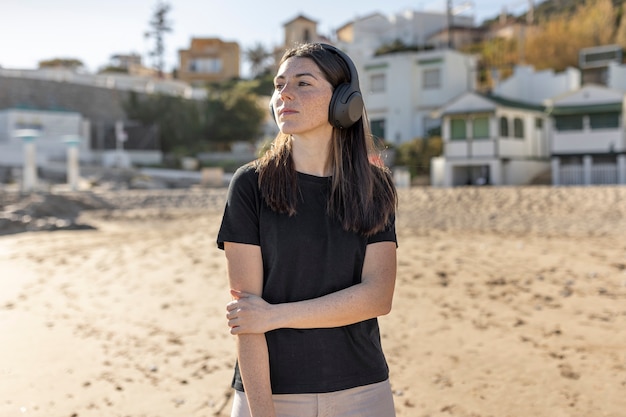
(187,127)
(70,63)
(232,115)
(179,120)
(416,154)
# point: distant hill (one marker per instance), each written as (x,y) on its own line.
(547,9)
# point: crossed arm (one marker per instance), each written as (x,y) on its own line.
(250,317)
(250,314)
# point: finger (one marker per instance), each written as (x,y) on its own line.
(239,294)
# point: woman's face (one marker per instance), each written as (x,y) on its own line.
(301,98)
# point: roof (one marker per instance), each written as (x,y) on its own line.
(474,102)
(593,108)
(588,99)
(299,17)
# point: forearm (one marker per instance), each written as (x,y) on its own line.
(372,297)
(351,305)
(254,368)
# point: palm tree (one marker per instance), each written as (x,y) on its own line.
(159,25)
(258,57)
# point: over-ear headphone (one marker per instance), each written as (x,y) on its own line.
(346,103)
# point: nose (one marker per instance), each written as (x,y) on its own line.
(285,92)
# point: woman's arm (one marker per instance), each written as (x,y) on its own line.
(245,273)
(372,297)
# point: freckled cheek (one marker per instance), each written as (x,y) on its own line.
(322,105)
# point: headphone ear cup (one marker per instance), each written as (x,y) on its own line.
(346,106)
(272,112)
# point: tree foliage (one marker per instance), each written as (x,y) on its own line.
(191,126)
(70,63)
(416,154)
(560,30)
(556,43)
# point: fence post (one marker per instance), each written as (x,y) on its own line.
(556,171)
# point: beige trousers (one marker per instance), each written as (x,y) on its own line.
(375,400)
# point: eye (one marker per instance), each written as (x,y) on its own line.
(303,83)
(278,86)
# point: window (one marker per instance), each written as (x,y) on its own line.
(431,78)
(457,129)
(504,127)
(518,128)
(378,128)
(480,128)
(604,121)
(569,122)
(205,65)
(377,82)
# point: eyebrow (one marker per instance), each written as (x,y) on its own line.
(302,74)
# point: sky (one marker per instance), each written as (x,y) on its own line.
(92,31)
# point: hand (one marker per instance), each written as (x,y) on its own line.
(248,313)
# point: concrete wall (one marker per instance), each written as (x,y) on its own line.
(94,103)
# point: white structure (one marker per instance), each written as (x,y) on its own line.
(491,141)
(29,167)
(115,81)
(402,90)
(504,138)
(363,36)
(588,144)
(536,87)
(73,166)
(51,127)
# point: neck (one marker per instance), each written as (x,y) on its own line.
(311,156)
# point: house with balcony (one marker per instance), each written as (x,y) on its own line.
(588,145)
(490,140)
(401,90)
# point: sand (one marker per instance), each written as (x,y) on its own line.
(510,302)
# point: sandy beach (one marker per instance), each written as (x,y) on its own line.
(510,302)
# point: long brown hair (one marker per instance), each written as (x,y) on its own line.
(362,195)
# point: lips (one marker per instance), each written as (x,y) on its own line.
(286,112)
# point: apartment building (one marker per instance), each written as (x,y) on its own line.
(208,60)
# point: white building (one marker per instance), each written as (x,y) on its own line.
(491,141)
(531,86)
(363,36)
(401,90)
(52,127)
(588,145)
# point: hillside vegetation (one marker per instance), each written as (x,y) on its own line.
(553,36)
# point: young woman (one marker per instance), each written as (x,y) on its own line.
(309,237)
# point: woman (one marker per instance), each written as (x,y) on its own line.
(309,237)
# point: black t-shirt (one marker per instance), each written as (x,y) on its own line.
(306,256)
